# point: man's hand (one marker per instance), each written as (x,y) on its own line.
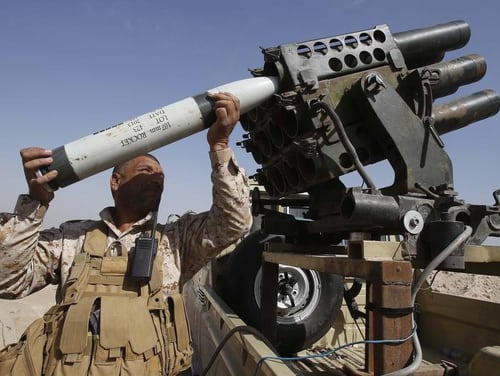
(227,111)
(33,158)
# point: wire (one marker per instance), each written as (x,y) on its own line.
(333,351)
(339,126)
(155,223)
(429,287)
(258,334)
(241,328)
(427,191)
(417,359)
(439,259)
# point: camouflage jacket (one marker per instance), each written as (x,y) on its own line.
(31,258)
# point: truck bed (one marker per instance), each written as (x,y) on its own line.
(247,352)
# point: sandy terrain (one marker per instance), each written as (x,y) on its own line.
(16,315)
(472,286)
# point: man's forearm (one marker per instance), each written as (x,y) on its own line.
(20,248)
(231,195)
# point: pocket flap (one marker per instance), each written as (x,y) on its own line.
(76,327)
(126,320)
(116,265)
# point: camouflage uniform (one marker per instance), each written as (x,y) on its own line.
(31,258)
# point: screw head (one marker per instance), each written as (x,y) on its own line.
(413,222)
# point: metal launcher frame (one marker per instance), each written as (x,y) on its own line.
(346,102)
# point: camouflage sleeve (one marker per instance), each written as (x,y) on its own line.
(204,235)
(29,257)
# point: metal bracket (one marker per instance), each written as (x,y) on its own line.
(415,155)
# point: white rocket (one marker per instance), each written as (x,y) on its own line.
(104,149)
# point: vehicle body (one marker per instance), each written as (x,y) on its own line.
(459,335)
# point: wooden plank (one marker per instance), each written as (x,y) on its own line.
(479,312)
(385,323)
(368,270)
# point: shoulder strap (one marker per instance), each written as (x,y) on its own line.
(95,240)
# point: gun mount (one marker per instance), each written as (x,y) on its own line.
(343,103)
(355,99)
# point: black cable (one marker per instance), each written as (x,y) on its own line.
(241,328)
(427,191)
(329,353)
(344,139)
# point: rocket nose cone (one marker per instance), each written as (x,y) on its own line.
(251,91)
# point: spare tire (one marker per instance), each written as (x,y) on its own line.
(308,301)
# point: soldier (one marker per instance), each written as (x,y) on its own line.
(110,319)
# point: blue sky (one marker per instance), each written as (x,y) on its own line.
(70,68)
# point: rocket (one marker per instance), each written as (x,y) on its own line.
(101,150)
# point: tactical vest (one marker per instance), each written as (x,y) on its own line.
(132,330)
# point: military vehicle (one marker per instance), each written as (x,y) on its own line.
(334,280)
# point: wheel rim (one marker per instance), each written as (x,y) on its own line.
(298,293)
